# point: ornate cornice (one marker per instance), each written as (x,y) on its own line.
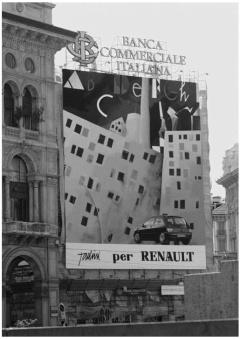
(30,39)
(229,179)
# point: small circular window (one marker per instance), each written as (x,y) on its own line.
(29,65)
(10,60)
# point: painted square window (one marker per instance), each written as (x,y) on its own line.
(72,199)
(100,158)
(127,230)
(110,142)
(170,138)
(98,187)
(91,146)
(194,148)
(185,136)
(120,176)
(134,174)
(90,183)
(68,170)
(78,128)
(85,132)
(101,139)
(182,204)
(125,154)
(187,155)
(81,180)
(178,185)
(185,173)
(96,211)
(84,221)
(126,145)
(110,237)
(181,155)
(131,158)
(198,160)
(88,207)
(73,149)
(66,196)
(197,204)
(110,195)
(198,137)
(90,158)
(140,189)
(130,220)
(79,152)
(171,163)
(181,146)
(152,158)
(175,203)
(68,123)
(171,171)
(170,154)
(112,173)
(178,172)
(145,155)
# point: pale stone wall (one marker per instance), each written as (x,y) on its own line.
(212,295)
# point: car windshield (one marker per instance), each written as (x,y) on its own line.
(180,222)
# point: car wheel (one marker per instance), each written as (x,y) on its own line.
(161,238)
(186,242)
(137,238)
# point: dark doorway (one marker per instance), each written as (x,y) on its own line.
(23,293)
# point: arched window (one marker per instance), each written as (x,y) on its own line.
(9,106)
(24,301)
(19,190)
(29,106)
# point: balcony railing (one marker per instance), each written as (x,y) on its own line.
(30,228)
(12,131)
(33,135)
(226,255)
(16,132)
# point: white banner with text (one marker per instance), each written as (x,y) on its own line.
(115,256)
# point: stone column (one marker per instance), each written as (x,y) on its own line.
(7,199)
(36,200)
(30,185)
(4,305)
(43,201)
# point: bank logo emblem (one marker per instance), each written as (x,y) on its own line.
(84,49)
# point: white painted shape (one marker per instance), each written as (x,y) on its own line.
(75,81)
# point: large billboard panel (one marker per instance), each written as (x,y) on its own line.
(133,169)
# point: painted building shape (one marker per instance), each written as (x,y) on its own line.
(118,126)
(182,188)
(114,183)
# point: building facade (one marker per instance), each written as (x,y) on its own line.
(31,118)
(225,217)
(35,278)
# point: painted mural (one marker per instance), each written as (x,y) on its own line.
(132,149)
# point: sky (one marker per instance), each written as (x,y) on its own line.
(206,33)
